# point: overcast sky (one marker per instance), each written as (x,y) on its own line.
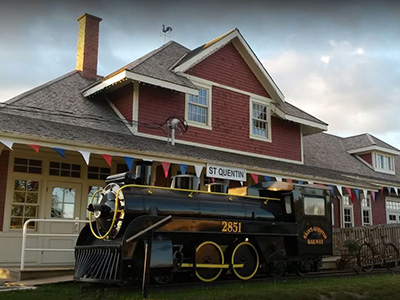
(337,60)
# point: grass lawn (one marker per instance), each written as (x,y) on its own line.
(360,287)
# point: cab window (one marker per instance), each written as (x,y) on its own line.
(314,206)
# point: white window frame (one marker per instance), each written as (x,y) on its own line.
(390,169)
(346,204)
(268,121)
(393,211)
(208,124)
(366,208)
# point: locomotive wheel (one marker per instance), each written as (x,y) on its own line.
(209,253)
(245,253)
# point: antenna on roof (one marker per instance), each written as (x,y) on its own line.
(174,125)
(166,31)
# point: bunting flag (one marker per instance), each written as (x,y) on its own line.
(255,177)
(300,181)
(108,158)
(278,178)
(357,193)
(389,189)
(60,151)
(86,155)
(373,195)
(166,166)
(198,169)
(7,143)
(396,191)
(267,178)
(241,183)
(129,162)
(289,180)
(34,147)
(365,192)
(339,187)
(381,191)
(332,187)
(183,168)
(311,182)
(213,179)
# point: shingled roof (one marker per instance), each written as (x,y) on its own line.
(365,140)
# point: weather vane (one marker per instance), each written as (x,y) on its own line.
(166,31)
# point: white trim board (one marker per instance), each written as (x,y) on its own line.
(124,75)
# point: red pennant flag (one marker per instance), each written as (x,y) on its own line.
(350,194)
(35,147)
(166,166)
(289,180)
(382,188)
(107,158)
(373,195)
(255,177)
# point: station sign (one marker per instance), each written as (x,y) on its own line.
(226,172)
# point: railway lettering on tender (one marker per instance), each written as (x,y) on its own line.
(315,236)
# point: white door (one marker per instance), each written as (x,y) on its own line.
(64,202)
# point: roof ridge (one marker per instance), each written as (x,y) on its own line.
(40,87)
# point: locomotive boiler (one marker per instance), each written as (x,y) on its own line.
(272,227)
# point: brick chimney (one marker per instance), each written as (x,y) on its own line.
(88,44)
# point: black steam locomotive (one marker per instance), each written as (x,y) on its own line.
(274,227)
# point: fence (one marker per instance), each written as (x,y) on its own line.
(390,232)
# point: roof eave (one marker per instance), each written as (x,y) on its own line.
(373,148)
(129,75)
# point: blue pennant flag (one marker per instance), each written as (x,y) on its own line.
(60,151)
(129,162)
(357,193)
(300,181)
(332,189)
(267,178)
(183,168)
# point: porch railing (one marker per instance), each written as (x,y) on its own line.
(390,232)
(25,234)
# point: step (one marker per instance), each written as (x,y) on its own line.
(15,274)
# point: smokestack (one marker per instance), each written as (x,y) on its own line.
(88,45)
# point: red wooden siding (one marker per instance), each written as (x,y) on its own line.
(230,123)
(123,100)
(379,209)
(226,66)
(367,157)
(3,184)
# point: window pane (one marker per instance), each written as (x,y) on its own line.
(314,206)
(63,200)
(33,186)
(17,210)
(30,211)
(20,185)
(31,198)
(19,197)
(16,223)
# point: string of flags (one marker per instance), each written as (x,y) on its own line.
(352,193)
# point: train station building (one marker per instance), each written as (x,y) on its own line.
(213,112)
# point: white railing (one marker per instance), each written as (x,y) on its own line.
(25,234)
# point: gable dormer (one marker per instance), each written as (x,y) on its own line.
(375,153)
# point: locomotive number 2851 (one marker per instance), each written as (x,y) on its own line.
(228,226)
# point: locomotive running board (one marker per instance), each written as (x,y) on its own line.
(212,266)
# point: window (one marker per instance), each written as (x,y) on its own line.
(288,204)
(63,202)
(366,216)
(347,212)
(98,173)
(259,120)
(66,170)
(384,162)
(198,108)
(314,206)
(393,210)
(25,165)
(25,203)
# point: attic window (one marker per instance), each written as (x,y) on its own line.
(383,163)
(198,108)
(259,121)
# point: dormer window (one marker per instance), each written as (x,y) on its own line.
(198,108)
(384,163)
